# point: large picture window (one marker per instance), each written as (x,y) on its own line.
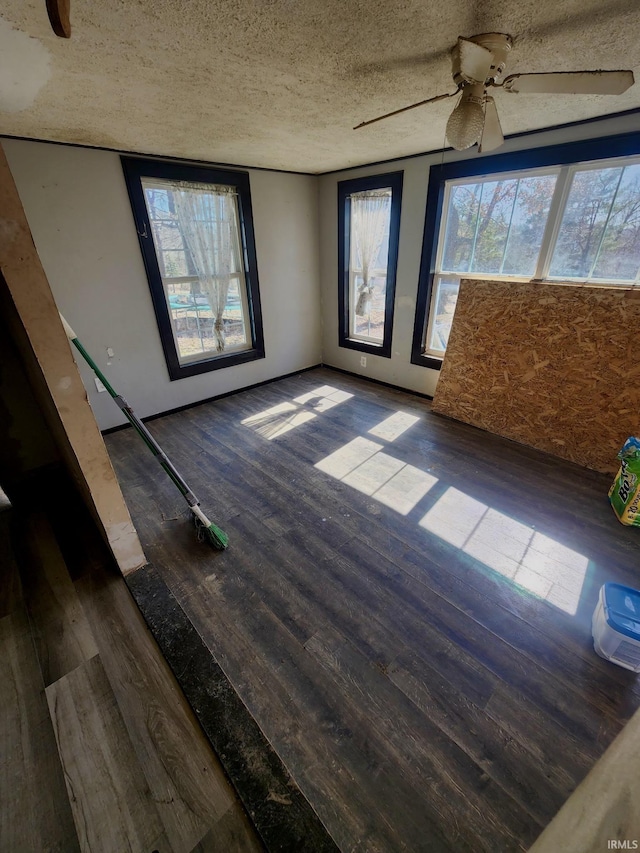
(196,234)
(369,224)
(569,218)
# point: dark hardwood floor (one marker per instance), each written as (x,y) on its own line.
(404,607)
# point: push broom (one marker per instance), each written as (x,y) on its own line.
(206,529)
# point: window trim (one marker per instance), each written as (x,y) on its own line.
(137,168)
(566,154)
(345,189)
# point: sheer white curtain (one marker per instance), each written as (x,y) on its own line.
(206,216)
(369,218)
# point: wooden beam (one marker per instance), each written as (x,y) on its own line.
(58,11)
(56,380)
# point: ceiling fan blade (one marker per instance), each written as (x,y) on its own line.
(571,82)
(404,109)
(492,137)
(471,62)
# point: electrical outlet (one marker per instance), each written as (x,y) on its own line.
(363,361)
(99,385)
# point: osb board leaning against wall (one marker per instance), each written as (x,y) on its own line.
(555,367)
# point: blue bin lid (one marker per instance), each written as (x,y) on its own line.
(622,609)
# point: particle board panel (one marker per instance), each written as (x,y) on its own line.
(550,366)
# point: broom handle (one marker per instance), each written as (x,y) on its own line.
(134,420)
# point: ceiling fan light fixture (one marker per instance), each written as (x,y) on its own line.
(466,122)
(477,67)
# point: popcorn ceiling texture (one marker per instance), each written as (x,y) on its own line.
(548,366)
(280,84)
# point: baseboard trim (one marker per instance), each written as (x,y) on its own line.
(268,382)
(378,382)
(215,397)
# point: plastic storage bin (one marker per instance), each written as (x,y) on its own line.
(616,625)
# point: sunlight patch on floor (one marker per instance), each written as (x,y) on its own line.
(362,465)
(394,426)
(278,420)
(348,457)
(326,397)
(530,559)
(533,561)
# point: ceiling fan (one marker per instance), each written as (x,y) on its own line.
(477,64)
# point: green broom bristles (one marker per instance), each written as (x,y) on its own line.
(218,538)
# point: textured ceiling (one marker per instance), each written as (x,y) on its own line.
(281,83)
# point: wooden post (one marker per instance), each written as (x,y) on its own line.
(56,379)
(58,11)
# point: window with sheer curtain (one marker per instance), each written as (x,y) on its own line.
(369,218)
(197,239)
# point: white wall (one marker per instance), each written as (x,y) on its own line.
(398,369)
(78,209)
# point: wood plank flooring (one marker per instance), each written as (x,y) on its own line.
(404,607)
(100,751)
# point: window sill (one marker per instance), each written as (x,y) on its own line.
(430,361)
(364,346)
(218,362)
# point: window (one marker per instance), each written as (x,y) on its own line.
(196,233)
(570,217)
(599,235)
(369,225)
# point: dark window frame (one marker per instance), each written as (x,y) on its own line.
(136,168)
(345,189)
(567,153)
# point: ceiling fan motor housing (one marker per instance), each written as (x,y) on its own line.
(470,65)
